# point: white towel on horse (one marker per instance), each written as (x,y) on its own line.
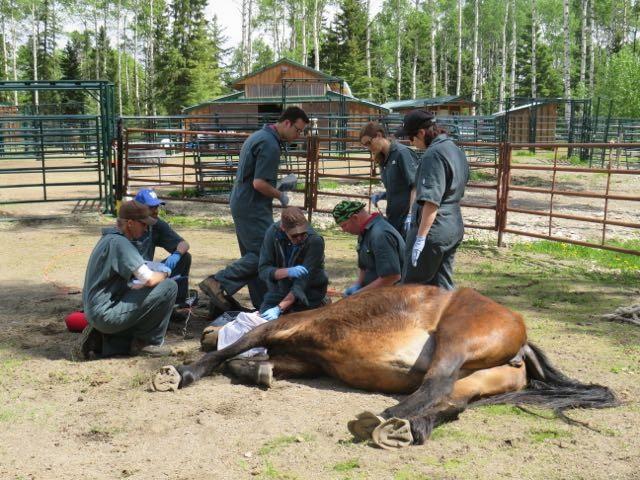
(234,330)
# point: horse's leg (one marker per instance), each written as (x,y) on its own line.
(261,372)
(399,432)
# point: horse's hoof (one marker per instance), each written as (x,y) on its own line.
(166,380)
(393,434)
(364,424)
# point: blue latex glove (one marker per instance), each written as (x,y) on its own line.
(407,224)
(418,246)
(297,271)
(352,289)
(272,313)
(172,260)
(284,199)
(376,197)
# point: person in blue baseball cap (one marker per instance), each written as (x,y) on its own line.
(162,235)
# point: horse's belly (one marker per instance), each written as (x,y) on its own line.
(395,363)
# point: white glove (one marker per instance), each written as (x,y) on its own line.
(407,224)
(284,199)
(418,246)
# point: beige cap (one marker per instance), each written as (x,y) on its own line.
(133,210)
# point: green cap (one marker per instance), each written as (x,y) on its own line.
(345,209)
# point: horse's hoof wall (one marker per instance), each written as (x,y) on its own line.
(393,434)
(364,424)
(166,380)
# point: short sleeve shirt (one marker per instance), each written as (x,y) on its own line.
(380,250)
(398,175)
(111,266)
(159,235)
(441,179)
(259,158)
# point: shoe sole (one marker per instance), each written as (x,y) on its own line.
(78,350)
(225,306)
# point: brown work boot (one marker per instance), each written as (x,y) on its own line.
(88,346)
(212,288)
(251,371)
(138,347)
(209,338)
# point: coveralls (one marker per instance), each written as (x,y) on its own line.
(120,313)
(278,252)
(441,179)
(252,212)
(398,173)
(162,235)
(380,250)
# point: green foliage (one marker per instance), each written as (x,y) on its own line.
(620,81)
(347,465)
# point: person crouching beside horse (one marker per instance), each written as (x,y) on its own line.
(380,246)
(292,266)
(127,305)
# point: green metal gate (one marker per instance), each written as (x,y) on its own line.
(43,157)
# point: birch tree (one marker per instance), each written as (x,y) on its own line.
(566,70)
(534,59)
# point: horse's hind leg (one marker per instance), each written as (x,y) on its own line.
(399,432)
(260,371)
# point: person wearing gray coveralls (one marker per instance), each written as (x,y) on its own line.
(440,183)
(251,204)
(127,305)
(398,164)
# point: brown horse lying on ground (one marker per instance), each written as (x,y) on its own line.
(446,349)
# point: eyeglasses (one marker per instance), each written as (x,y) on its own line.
(366,144)
(296,236)
(300,130)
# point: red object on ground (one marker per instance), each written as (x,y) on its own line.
(76,321)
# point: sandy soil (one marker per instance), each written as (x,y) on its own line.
(96,420)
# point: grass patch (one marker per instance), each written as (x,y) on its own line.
(59,377)
(195,222)
(452,432)
(478,176)
(328,185)
(272,472)
(407,474)
(188,193)
(279,443)
(603,258)
(501,410)
(138,380)
(540,435)
(347,465)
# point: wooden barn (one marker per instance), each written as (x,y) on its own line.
(533,122)
(268,91)
(8,126)
(442,106)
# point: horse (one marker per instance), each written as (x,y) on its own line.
(446,350)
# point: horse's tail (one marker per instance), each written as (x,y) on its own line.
(548,387)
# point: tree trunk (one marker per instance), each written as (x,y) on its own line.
(459,73)
(14,54)
(136,79)
(34,50)
(249,37)
(368,51)
(503,56)
(119,47)
(414,63)
(514,36)
(104,42)
(583,42)
(534,59)
(566,67)
(243,43)
(96,36)
(474,88)
(398,51)
(434,65)
(591,47)
(316,41)
(304,32)
(5,55)
(127,82)
(151,65)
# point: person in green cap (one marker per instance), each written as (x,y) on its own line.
(127,302)
(251,201)
(398,164)
(440,183)
(380,246)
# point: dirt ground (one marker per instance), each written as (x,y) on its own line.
(97,420)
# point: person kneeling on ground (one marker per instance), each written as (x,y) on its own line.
(292,266)
(127,305)
(162,235)
(380,246)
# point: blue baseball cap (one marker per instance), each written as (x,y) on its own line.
(148,197)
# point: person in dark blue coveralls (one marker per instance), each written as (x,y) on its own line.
(252,208)
(440,183)
(162,235)
(398,164)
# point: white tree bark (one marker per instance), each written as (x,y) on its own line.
(398,50)
(96,37)
(34,48)
(434,65)
(136,79)
(119,47)
(474,88)
(127,78)
(304,32)
(503,57)
(566,66)
(14,54)
(5,54)
(534,57)
(243,43)
(316,38)
(514,36)
(151,65)
(249,37)
(583,42)
(414,63)
(459,73)
(591,48)
(368,50)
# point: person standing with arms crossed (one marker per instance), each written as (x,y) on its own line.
(251,202)
(440,183)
